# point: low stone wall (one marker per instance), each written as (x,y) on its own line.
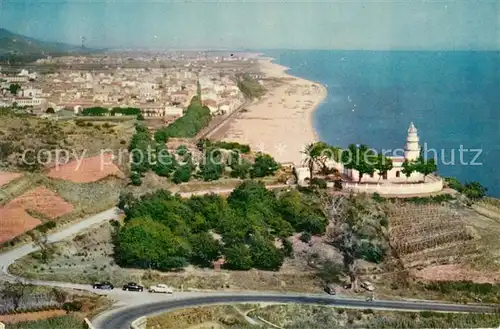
(433,184)
(140,323)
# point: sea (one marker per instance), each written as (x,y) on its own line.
(452,97)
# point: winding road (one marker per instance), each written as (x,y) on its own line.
(132,305)
(122,318)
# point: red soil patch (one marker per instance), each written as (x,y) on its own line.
(14,220)
(32,316)
(456,273)
(88,170)
(7,177)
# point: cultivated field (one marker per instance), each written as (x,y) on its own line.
(429,234)
(15,218)
(7,177)
(88,170)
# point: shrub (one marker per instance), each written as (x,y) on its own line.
(135,179)
(74,306)
(305,237)
(319,182)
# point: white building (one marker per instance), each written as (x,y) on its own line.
(28,101)
(411,153)
(174,111)
(31,92)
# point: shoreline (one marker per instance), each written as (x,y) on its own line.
(281,122)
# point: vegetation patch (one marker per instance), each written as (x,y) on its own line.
(61,322)
(194,119)
(165,232)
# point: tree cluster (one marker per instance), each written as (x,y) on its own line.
(148,154)
(194,119)
(473,190)
(164,231)
(204,143)
(250,87)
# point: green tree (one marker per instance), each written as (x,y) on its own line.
(182,174)
(206,249)
(146,243)
(165,162)
(425,166)
(238,257)
(95,111)
(309,159)
(136,179)
(408,168)
(241,170)
(264,165)
(357,232)
(265,255)
(210,171)
(383,165)
(14,88)
(360,158)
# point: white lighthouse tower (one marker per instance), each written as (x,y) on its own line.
(412,149)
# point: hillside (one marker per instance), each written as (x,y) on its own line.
(19,44)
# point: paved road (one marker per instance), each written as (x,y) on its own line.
(11,256)
(121,318)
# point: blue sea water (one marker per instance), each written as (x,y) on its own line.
(452,98)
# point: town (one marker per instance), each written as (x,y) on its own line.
(64,86)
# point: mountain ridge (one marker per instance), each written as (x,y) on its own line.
(14,43)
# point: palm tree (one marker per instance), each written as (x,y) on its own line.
(310,159)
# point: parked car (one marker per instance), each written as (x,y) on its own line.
(367,285)
(330,289)
(106,285)
(161,288)
(132,286)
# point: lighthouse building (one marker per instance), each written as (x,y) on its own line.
(411,153)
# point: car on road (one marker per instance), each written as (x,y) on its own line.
(132,286)
(106,285)
(367,286)
(330,289)
(161,288)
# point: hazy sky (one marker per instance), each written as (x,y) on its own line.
(390,24)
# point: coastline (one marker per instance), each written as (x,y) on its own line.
(281,122)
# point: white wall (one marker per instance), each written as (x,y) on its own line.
(432,184)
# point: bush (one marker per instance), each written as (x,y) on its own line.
(377,198)
(287,248)
(238,257)
(305,237)
(46,226)
(135,179)
(264,165)
(74,306)
(182,174)
(319,182)
(474,191)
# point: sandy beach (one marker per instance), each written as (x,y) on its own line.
(281,122)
